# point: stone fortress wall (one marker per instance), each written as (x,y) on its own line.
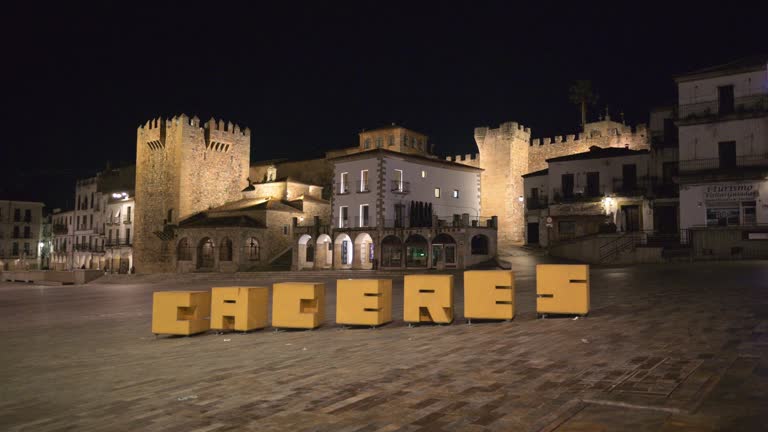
(183,167)
(508,152)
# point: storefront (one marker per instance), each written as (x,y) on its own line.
(724,204)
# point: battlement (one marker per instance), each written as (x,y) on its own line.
(469,157)
(509,129)
(219,136)
(623,133)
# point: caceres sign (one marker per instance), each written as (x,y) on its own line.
(732,192)
(490,294)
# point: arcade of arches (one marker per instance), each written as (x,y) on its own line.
(360,250)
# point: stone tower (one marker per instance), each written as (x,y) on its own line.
(183,167)
(503,155)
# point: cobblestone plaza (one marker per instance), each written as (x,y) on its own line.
(667,347)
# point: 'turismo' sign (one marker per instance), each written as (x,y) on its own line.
(733,192)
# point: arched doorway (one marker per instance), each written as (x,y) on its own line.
(324,254)
(443,251)
(415,251)
(225,250)
(391,252)
(306,252)
(364,251)
(343,251)
(183,250)
(479,245)
(205,257)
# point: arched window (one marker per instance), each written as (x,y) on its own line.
(225,251)
(254,252)
(184,252)
(479,245)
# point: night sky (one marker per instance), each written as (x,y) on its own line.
(308,77)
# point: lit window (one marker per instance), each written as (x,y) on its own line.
(423,174)
(455,193)
(344,185)
(379,142)
(437,192)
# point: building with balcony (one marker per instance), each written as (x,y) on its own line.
(604,190)
(63,230)
(21,224)
(723,139)
(397,208)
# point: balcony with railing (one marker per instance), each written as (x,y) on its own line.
(400,187)
(755,161)
(560,196)
(536,203)
(60,229)
(312,230)
(117,243)
(638,186)
(712,110)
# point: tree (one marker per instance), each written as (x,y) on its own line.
(581,93)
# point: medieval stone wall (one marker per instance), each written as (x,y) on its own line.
(183,167)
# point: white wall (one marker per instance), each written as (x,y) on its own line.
(700,141)
(701,95)
(609,169)
(438,175)
(354,198)
(693,203)
(540,182)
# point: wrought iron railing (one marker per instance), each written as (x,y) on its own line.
(710,164)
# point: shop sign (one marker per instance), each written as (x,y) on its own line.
(595,208)
(732,192)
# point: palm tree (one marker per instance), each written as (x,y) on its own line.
(581,93)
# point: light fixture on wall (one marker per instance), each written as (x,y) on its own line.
(520,198)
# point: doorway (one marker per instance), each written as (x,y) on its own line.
(533,233)
(632,217)
(205,254)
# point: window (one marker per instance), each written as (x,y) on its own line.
(391,140)
(405,140)
(170,215)
(534,194)
(379,142)
(15,249)
(423,174)
(285,229)
(109,237)
(344,185)
(593,184)
(91,199)
(128,215)
(364,215)
(27,250)
(398,186)
(455,193)
(566,183)
(16,215)
(629,177)
(127,236)
(437,192)
(722,216)
(15,232)
(254,252)
(727,154)
(27,233)
(725,101)
(343,217)
(749,214)
(27,215)
(367,143)
(364,181)
(90,223)
(183,251)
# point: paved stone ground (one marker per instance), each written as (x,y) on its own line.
(668,347)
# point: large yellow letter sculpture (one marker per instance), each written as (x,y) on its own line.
(298,305)
(428,298)
(562,289)
(489,294)
(239,308)
(180,312)
(363,301)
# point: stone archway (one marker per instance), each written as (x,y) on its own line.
(324,252)
(444,253)
(416,251)
(306,252)
(205,255)
(343,252)
(364,255)
(391,252)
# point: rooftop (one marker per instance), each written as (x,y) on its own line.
(412,156)
(600,153)
(744,64)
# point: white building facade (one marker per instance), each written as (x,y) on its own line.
(723,136)
(392,209)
